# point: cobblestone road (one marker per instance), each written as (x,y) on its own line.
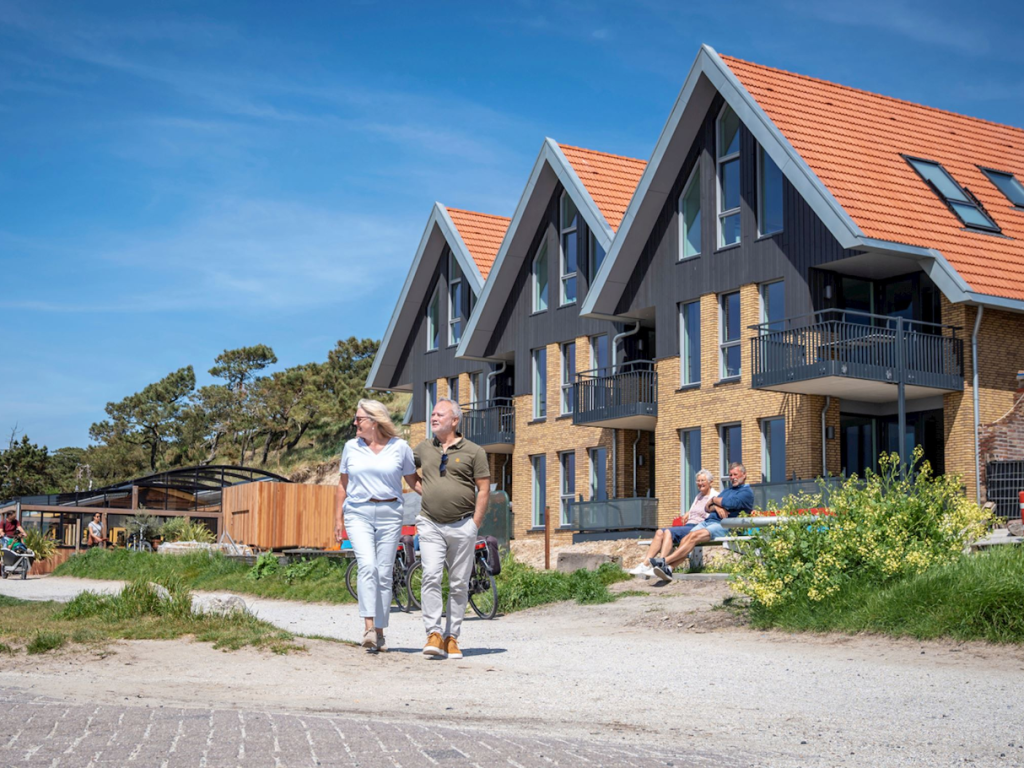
(47,732)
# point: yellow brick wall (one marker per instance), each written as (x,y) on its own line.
(710,406)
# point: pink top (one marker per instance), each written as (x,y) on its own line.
(698,510)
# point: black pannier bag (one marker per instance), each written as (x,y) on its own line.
(493,557)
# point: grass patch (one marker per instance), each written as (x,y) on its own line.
(136,613)
(976,597)
(521,587)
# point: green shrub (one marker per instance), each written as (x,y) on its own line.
(879,529)
(43,545)
(46,641)
(186,529)
(521,587)
(266,565)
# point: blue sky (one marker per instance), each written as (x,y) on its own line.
(177,179)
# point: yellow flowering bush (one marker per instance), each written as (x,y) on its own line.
(883,527)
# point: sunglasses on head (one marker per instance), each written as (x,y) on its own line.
(444,463)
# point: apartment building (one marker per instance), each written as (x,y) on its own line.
(823,271)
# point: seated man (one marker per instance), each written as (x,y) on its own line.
(729,503)
(666,538)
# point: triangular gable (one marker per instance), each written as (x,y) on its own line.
(710,75)
(555,164)
(481,230)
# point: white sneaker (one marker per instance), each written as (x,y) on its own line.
(640,570)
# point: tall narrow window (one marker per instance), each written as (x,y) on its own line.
(453,388)
(728,177)
(568,376)
(1007,184)
(476,394)
(540,279)
(773,311)
(689,216)
(434,320)
(689,442)
(599,354)
(540,495)
(540,383)
(457,301)
(569,228)
(731,449)
(567,464)
(431,401)
(598,473)
(689,342)
(730,338)
(960,201)
(769,194)
(596,256)
(773,450)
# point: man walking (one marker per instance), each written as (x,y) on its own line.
(456,485)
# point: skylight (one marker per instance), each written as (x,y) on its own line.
(1007,184)
(960,201)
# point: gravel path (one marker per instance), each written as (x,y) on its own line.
(660,670)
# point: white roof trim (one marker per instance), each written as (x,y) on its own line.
(503,275)
(604,295)
(414,289)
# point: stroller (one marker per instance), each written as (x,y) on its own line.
(17,558)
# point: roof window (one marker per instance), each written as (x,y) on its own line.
(1007,184)
(960,201)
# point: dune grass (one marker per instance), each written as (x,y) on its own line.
(976,597)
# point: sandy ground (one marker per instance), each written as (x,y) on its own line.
(531,551)
(668,665)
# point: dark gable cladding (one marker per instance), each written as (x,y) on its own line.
(418,365)
(519,330)
(659,281)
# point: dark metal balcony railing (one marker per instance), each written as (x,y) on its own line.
(771,496)
(602,394)
(490,422)
(838,342)
(633,514)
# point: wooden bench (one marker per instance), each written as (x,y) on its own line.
(728,542)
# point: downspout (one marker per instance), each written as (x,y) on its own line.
(634,461)
(615,432)
(977,417)
(504,470)
(490,377)
(824,454)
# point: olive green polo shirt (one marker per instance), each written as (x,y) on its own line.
(452,497)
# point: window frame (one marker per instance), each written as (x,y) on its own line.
(687,472)
(764,427)
(476,379)
(684,350)
(566,496)
(431,400)
(724,343)
(538,491)
(595,491)
(434,320)
(761,155)
(563,232)
(594,364)
(567,403)
(990,172)
(453,380)
(720,162)
(594,265)
(723,455)
(539,378)
(967,197)
(694,178)
(453,282)
(542,253)
(763,309)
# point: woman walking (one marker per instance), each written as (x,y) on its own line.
(369,507)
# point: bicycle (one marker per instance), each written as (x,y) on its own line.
(400,593)
(137,541)
(483,588)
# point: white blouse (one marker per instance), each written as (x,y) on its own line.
(376,475)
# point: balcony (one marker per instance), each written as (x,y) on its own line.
(625,399)
(610,518)
(857,356)
(491,424)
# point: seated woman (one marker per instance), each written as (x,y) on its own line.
(667,538)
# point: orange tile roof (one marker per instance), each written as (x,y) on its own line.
(482,233)
(853,140)
(610,179)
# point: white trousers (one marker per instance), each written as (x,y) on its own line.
(374,529)
(449,544)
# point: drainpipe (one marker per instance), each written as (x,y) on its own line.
(824,459)
(504,470)
(490,378)
(615,433)
(617,338)
(615,463)
(634,461)
(977,417)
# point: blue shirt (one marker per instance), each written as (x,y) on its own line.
(736,500)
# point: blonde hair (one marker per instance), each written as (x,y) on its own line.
(377,411)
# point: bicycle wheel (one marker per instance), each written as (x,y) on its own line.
(483,591)
(415,579)
(352,579)
(400,586)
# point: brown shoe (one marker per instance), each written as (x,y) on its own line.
(451,647)
(435,646)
